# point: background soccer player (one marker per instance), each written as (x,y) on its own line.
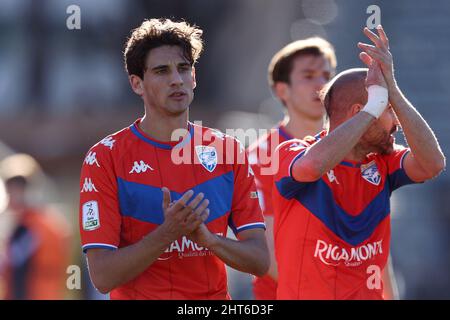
(296,74)
(332,212)
(155,228)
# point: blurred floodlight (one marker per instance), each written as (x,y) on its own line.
(320,11)
(302,28)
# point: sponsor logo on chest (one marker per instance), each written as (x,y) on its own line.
(332,254)
(185,248)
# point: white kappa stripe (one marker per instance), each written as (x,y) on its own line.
(252,224)
(99,244)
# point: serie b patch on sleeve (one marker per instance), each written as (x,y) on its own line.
(91,216)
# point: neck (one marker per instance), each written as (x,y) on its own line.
(161,126)
(358,153)
(299,126)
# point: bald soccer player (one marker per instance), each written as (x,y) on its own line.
(331,193)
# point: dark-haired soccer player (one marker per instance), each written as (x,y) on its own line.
(154,212)
(331,197)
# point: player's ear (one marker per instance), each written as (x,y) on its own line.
(355,108)
(281,90)
(194,81)
(136,84)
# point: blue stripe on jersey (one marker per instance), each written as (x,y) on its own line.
(144,202)
(86,247)
(399,178)
(351,165)
(284,134)
(162,145)
(318,198)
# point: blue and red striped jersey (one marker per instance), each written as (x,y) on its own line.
(332,235)
(121,202)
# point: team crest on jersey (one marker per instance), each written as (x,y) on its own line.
(370,173)
(207,156)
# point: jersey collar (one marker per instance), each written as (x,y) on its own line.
(161,144)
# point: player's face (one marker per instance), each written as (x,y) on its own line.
(169,80)
(309,74)
(16,196)
(380,135)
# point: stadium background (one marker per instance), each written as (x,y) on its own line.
(63,90)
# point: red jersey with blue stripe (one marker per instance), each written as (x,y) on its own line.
(332,235)
(121,202)
(260,155)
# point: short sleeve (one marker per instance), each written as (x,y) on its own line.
(99,215)
(245,210)
(287,153)
(397,176)
(263,179)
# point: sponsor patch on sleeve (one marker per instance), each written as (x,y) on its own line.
(253,195)
(91,216)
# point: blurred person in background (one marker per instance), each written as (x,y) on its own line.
(332,191)
(34,264)
(145,220)
(296,74)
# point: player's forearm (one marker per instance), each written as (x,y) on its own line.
(250,255)
(421,139)
(328,152)
(110,269)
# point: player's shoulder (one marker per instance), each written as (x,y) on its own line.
(292,145)
(110,147)
(112,142)
(217,136)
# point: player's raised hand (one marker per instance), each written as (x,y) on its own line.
(184,215)
(374,75)
(380,52)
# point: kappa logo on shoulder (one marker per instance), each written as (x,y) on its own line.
(88,186)
(207,156)
(139,167)
(108,142)
(91,159)
(370,173)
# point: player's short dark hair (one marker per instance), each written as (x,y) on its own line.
(282,62)
(154,33)
(345,89)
